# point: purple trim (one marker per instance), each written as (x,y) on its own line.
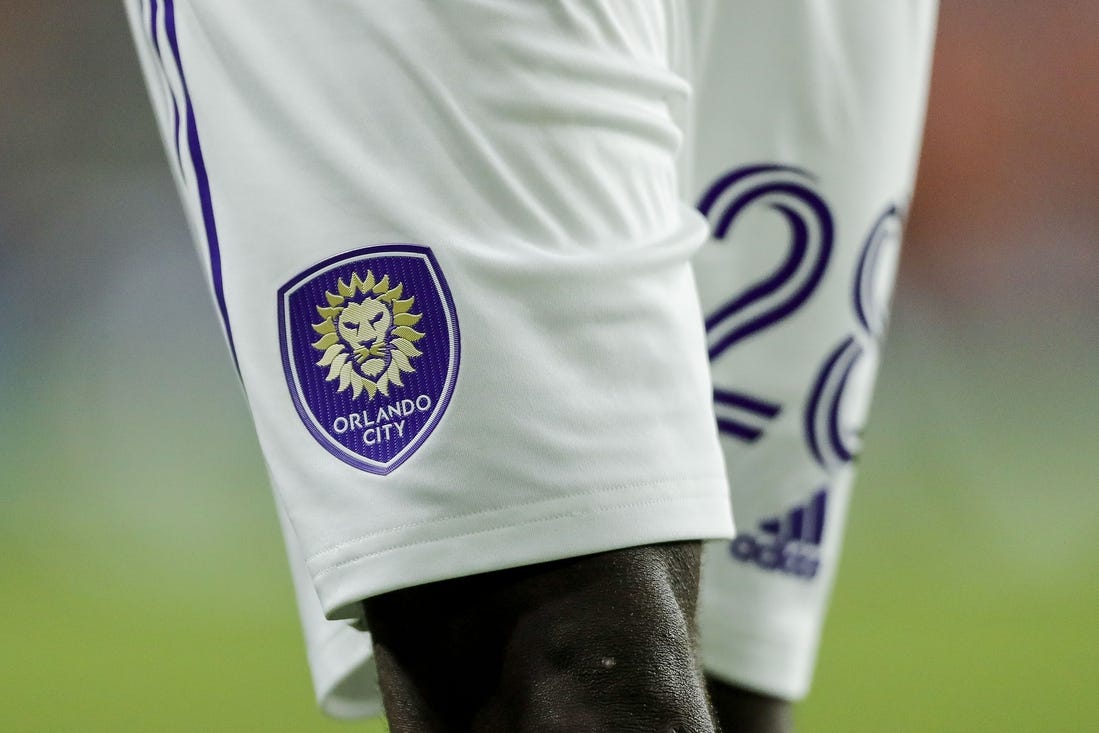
(202,180)
(154,7)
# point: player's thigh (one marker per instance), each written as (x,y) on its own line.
(807,120)
(600,642)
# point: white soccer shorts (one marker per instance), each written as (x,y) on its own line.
(450,245)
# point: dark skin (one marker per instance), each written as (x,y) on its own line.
(602,642)
(738,709)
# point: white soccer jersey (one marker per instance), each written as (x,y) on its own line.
(450,246)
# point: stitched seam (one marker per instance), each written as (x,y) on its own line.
(480,512)
(600,510)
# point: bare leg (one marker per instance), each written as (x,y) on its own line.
(743,711)
(597,643)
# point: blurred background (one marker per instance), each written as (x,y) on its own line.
(143,579)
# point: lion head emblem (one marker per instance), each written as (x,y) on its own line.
(367,335)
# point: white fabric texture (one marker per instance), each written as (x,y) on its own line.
(532,148)
(808,117)
(552,156)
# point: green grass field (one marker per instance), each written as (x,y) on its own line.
(145,590)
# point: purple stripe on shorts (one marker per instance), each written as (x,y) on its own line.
(201,179)
(154,12)
(154,9)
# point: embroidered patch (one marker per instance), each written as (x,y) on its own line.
(370,348)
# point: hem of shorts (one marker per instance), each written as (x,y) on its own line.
(781,667)
(628,516)
(336,663)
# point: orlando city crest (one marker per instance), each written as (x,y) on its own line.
(370,348)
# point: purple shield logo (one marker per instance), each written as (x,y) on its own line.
(370,348)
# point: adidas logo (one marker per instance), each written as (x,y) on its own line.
(787,544)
